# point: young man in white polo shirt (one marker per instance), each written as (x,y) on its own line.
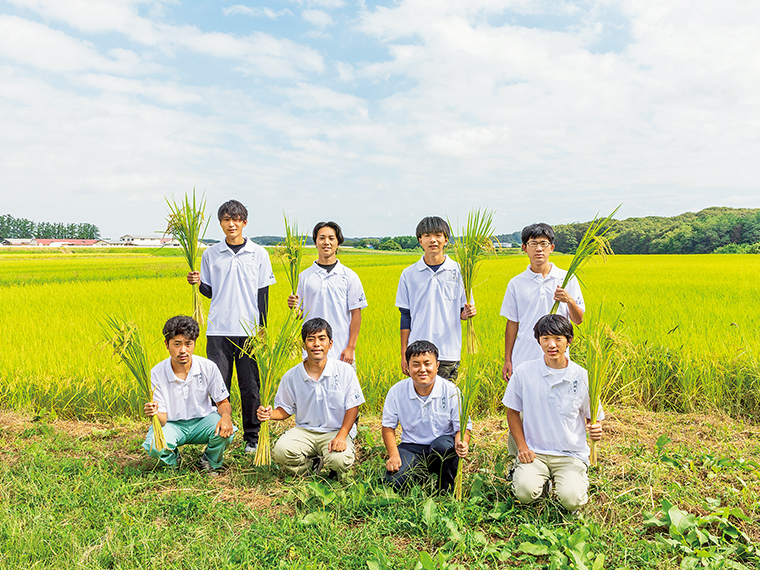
(431,299)
(531,294)
(427,408)
(324,394)
(331,291)
(185,388)
(552,394)
(236,274)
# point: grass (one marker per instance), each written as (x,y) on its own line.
(85,495)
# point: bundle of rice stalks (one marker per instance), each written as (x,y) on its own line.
(469,387)
(290,252)
(125,339)
(604,352)
(185,223)
(274,354)
(594,242)
(474,243)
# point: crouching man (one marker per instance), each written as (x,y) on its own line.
(427,407)
(185,390)
(324,394)
(552,394)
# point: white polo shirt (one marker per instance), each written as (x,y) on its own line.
(422,420)
(435,300)
(529,297)
(189,398)
(235,280)
(331,296)
(555,406)
(320,405)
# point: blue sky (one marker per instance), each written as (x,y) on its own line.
(376,114)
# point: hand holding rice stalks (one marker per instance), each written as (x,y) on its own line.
(185,223)
(273,354)
(290,252)
(474,243)
(469,388)
(125,339)
(594,242)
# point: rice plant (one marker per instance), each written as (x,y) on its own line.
(185,223)
(474,243)
(594,242)
(603,353)
(273,354)
(125,339)
(469,387)
(290,253)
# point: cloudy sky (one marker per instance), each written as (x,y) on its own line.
(377,113)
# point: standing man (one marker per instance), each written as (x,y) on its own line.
(236,274)
(432,301)
(331,291)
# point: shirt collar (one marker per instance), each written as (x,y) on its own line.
(337,270)
(551,377)
(247,246)
(436,393)
(195,369)
(326,373)
(538,277)
(422,266)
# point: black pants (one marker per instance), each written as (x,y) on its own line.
(418,460)
(448,369)
(221,350)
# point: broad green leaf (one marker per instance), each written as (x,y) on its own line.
(534,549)
(427,561)
(598,562)
(429,512)
(316,517)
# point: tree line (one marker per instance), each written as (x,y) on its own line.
(21,228)
(712,230)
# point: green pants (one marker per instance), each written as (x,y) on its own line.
(195,431)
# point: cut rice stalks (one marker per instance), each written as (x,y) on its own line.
(185,223)
(290,253)
(468,389)
(125,339)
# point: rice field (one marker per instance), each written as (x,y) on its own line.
(691,324)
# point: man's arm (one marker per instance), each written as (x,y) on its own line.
(404,344)
(151,409)
(349,352)
(524,455)
(462,446)
(224,425)
(468,311)
(266,413)
(594,430)
(394,459)
(575,312)
(510,335)
(339,442)
(263,305)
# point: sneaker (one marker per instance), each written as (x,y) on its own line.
(250,448)
(204,465)
(316,464)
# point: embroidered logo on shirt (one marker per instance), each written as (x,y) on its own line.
(575,387)
(361,297)
(442,404)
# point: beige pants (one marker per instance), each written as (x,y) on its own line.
(570,480)
(298,446)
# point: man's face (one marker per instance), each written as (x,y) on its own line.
(327,242)
(538,250)
(423,369)
(317,345)
(554,347)
(434,242)
(232,227)
(180,349)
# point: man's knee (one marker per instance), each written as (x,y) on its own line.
(528,489)
(443,445)
(339,461)
(572,498)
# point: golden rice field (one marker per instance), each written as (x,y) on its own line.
(691,320)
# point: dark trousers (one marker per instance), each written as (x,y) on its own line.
(419,460)
(448,369)
(221,350)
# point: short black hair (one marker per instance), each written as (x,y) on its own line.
(535,231)
(181,325)
(313,326)
(333,225)
(432,225)
(234,210)
(421,347)
(553,325)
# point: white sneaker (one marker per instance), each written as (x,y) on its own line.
(250,448)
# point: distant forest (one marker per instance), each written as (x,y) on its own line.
(712,230)
(21,228)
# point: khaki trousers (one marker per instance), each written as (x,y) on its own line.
(570,480)
(297,447)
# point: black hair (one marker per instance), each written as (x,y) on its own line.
(313,326)
(333,225)
(535,231)
(181,325)
(421,347)
(232,209)
(553,325)
(432,225)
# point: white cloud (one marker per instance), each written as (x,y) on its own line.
(326,4)
(255,12)
(318,18)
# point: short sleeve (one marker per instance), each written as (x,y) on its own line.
(299,289)
(158,395)
(285,398)
(266,275)
(509,305)
(462,295)
(216,388)
(513,394)
(574,290)
(402,295)
(354,395)
(206,268)
(390,410)
(356,298)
